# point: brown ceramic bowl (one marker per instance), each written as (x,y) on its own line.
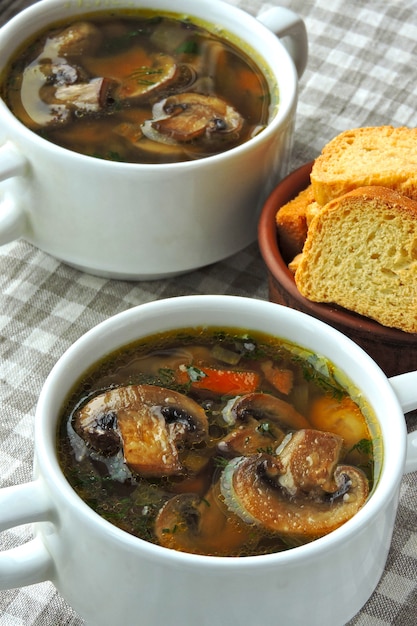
(394,350)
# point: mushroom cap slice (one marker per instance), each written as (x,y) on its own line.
(187,116)
(306,462)
(158,72)
(265,405)
(251,437)
(190,523)
(250,493)
(50,91)
(150,422)
(32,110)
(133,134)
(148,448)
(78,39)
(89,97)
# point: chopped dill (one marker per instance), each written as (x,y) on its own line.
(365,446)
(315,369)
(166,376)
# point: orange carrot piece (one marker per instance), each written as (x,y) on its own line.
(225,382)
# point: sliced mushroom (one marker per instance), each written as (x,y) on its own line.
(264,405)
(255,489)
(250,437)
(51,84)
(150,422)
(133,134)
(50,90)
(306,462)
(184,78)
(92,96)
(60,72)
(187,116)
(78,39)
(198,525)
(34,111)
(160,71)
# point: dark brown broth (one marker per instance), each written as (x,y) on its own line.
(131,46)
(131,502)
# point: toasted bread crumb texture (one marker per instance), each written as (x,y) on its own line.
(382,155)
(361,254)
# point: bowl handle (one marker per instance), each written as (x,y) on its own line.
(12,216)
(31,562)
(405,387)
(289,27)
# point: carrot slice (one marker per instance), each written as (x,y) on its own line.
(223,382)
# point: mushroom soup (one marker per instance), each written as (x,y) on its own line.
(219,442)
(139,87)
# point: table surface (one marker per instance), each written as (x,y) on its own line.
(361,72)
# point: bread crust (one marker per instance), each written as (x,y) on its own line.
(361,254)
(380,155)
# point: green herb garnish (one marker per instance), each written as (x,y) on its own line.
(364,446)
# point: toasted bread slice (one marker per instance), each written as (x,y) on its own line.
(361,253)
(291,221)
(381,155)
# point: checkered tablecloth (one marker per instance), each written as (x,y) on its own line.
(362,71)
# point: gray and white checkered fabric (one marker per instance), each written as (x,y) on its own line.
(362,71)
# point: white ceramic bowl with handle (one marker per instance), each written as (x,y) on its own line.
(148,221)
(111,577)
